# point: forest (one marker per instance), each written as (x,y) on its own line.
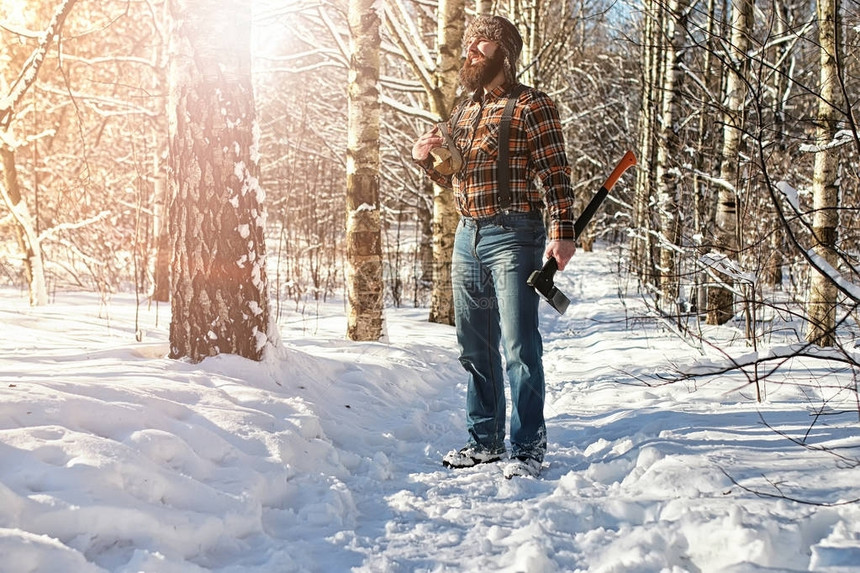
(237,161)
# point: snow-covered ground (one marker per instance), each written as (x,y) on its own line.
(327,458)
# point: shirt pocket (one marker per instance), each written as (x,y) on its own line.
(487,142)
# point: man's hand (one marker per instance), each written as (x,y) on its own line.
(562,251)
(430,140)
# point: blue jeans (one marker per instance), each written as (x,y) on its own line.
(495,309)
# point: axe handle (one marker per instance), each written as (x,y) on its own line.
(628,161)
(549,268)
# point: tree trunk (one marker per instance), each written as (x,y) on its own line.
(703,202)
(363,224)
(219,302)
(25,229)
(821,302)
(444,225)
(445,218)
(161,228)
(530,17)
(721,298)
(642,251)
(667,176)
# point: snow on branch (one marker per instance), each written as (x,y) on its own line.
(819,263)
(414,56)
(409,110)
(842,137)
(715,180)
(724,265)
(50,233)
(335,34)
(790,194)
(822,266)
(414,38)
(30,71)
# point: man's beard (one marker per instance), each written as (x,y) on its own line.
(478,74)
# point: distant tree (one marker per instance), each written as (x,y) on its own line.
(821,302)
(363,222)
(219,301)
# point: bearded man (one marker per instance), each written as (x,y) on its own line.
(500,239)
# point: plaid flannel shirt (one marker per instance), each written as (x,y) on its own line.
(536,153)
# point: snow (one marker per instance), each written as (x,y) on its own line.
(326,455)
(721,263)
(824,266)
(790,194)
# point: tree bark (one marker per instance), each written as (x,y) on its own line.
(721,298)
(642,243)
(25,229)
(667,176)
(219,302)
(161,229)
(821,301)
(363,226)
(445,218)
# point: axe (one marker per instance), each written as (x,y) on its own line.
(542,280)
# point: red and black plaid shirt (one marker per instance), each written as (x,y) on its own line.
(536,153)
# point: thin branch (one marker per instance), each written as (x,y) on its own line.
(780,495)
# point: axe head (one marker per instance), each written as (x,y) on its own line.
(542,282)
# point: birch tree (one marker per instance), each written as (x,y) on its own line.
(720,305)
(667,175)
(363,235)
(651,70)
(26,231)
(821,302)
(219,302)
(439,79)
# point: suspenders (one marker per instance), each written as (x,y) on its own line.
(503,162)
(503,170)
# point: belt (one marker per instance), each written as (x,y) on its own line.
(502,217)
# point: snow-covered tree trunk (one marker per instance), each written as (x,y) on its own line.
(10,192)
(25,228)
(445,218)
(667,176)
(821,302)
(219,302)
(642,250)
(720,305)
(363,224)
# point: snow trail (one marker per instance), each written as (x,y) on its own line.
(113,458)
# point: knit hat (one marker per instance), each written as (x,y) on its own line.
(505,34)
